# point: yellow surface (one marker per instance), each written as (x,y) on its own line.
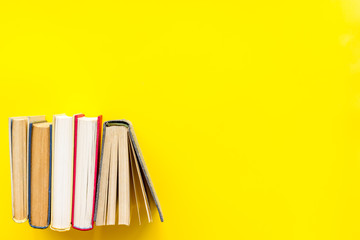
(247,112)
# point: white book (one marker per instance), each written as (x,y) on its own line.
(62,172)
(87,132)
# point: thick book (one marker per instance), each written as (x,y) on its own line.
(62,171)
(19,162)
(123,178)
(39,174)
(87,133)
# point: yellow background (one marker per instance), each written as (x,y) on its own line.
(247,112)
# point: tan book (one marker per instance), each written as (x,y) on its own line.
(39,174)
(18,146)
(19,169)
(124,185)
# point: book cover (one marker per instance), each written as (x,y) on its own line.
(29,174)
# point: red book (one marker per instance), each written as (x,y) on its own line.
(87,133)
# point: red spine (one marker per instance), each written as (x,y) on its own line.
(74,168)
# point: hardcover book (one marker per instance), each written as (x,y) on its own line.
(39,174)
(62,171)
(86,152)
(123,176)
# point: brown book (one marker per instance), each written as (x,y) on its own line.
(39,174)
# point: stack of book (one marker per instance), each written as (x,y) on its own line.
(60,176)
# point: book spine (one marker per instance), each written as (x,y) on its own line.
(99,123)
(76,117)
(29,175)
(50,176)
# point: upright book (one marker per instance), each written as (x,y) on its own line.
(86,153)
(19,162)
(39,174)
(62,171)
(123,176)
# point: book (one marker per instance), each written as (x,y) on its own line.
(123,176)
(62,171)
(39,174)
(86,153)
(19,159)
(60,179)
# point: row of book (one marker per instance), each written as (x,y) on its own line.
(63,174)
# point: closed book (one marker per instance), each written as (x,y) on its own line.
(39,174)
(86,153)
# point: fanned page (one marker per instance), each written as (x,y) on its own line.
(103,183)
(124,177)
(85,169)
(114,186)
(144,169)
(62,172)
(141,197)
